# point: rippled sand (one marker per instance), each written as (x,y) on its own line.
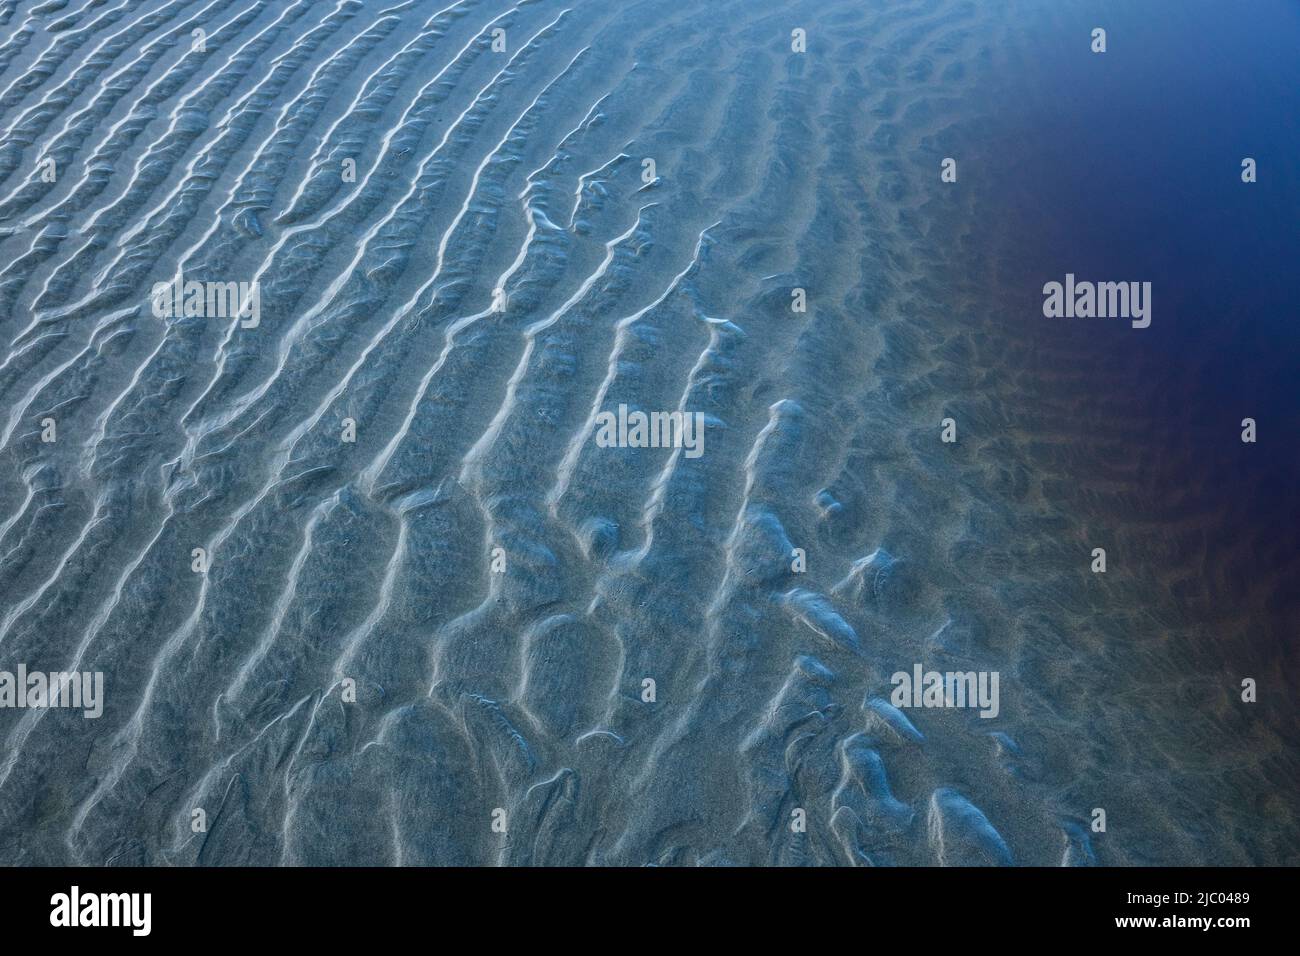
(481,689)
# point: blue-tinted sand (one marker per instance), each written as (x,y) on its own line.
(434,620)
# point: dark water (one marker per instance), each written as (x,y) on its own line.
(440,623)
(1127,165)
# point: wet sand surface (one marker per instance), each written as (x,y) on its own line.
(432,644)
